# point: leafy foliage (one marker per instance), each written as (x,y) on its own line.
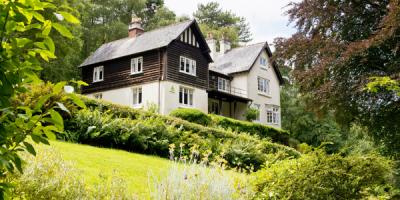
(213,19)
(192,115)
(339,45)
(25,42)
(320,176)
(251,114)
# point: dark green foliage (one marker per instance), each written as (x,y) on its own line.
(320,176)
(192,115)
(251,114)
(276,134)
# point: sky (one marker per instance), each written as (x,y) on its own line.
(266,17)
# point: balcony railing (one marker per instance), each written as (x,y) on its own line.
(230,90)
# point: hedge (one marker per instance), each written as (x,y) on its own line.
(192,115)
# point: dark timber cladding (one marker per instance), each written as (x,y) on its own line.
(117,73)
(177,49)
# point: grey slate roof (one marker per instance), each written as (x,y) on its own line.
(238,59)
(241,59)
(147,41)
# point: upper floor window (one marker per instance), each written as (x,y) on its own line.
(137,65)
(263,85)
(187,66)
(263,62)
(137,96)
(98,96)
(223,84)
(273,115)
(186,96)
(98,74)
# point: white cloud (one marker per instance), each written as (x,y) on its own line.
(266,17)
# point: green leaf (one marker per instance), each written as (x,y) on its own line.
(57,119)
(30,148)
(77,101)
(80,83)
(70,18)
(50,44)
(46,27)
(39,139)
(26,13)
(62,30)
(49,132)
(21,42)
(58,88)
(18,163)
(41,101)
(38,16)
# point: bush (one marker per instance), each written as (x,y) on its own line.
(276,134)
(320,176)
(192,115)
(153,135)
(48,176)
(251,114)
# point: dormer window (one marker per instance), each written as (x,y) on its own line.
(187,66)
(137,65)
(98,74)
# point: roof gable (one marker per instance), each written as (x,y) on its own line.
(150,40)
(242,59)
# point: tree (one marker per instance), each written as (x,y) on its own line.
(338,46)
(25,28)
(214,19)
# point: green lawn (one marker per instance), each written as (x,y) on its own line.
(134,168)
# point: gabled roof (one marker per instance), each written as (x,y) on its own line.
(241,59)
(150,40)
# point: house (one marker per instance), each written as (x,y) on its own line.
(169,68)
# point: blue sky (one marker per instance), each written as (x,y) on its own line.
(265,16)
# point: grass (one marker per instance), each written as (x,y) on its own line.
(134,168)
(138,171)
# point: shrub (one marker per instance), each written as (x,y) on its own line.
(192,115)
(276,134)
(251,114)
(48,176)
(153,135)
(320,176)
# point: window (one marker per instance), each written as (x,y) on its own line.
(273,115)
(98,74)
(223,84)
(98,96)
(257,107)
(186,96)
(263,85)
(137,65)
(263,61)
(187,66)
(214,107)
(137,96)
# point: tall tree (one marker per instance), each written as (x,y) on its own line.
(338,46)
(222,22)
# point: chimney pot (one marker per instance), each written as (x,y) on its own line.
(135,27)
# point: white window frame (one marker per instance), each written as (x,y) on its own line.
(263,62)
(185,96)
(223,84)
(273,115)
(189,66)
(137,96)
(96,74)
(263,86)
(98,96)
(135,65)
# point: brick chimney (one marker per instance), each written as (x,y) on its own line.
(135,27)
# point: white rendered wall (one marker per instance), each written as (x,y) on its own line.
(170,97)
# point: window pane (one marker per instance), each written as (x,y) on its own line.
(185,97)
(191,97)
(180,95)
(101,75)
(140,97)
(187,65)
(135,96)
(182,64)
(140,63)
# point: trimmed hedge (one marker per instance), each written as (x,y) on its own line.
(153,135)
(276,134)
(192,115)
